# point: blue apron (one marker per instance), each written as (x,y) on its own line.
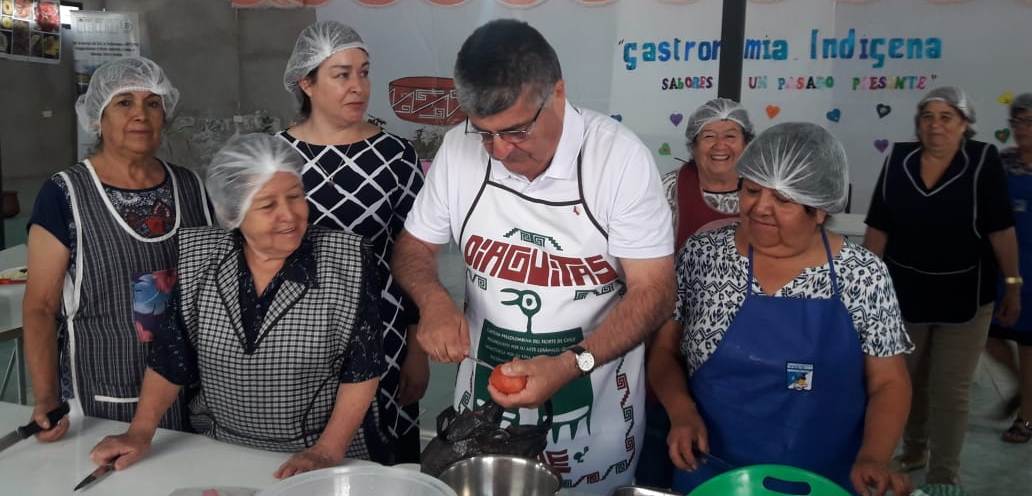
(785,385)
(1020,188)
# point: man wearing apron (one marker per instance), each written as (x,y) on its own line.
(566,241)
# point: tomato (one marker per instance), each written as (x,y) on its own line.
(507,384)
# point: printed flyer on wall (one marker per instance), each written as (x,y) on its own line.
(98,37)
(30,30)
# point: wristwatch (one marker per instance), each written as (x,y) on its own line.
(585,360)
(1014,281)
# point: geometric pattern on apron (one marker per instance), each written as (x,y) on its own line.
(280,397)
(368,188)
(107,359)
(539,280)
(627,408)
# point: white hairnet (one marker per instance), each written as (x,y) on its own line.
(717,109)
(953,96)
(1021,103)
(119,76)
(243,165)
(315,44)
(801,161)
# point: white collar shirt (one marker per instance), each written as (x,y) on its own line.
(619,180)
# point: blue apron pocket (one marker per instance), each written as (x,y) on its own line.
(151,291)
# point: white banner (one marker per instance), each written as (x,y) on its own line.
(98,37)
(413,47)
(857,67)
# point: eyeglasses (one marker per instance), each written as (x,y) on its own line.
(1022,122)
(512,136)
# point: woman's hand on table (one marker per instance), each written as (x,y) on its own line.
(874,478)
(50,433)
(687,435)
(122,450)
(313,458)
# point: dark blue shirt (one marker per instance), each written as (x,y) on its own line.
(938,250)
(150,212)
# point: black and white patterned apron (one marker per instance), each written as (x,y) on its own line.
(119,278)
(281,396)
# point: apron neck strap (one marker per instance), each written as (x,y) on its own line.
(831,261)
(827,252)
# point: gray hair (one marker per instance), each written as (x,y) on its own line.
(1021,103)
(499,61)
(241,168)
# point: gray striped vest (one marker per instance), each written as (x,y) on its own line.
(279,397)
(107,357)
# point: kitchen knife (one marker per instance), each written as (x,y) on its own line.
(481,362)
(97,474)
(715,460)
(32,428)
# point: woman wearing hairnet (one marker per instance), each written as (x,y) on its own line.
(703,195)
(276,319)
(361,179)
(102,250)
(941,219)
(791,336)
(1017,163)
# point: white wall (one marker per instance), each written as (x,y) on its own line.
(984,49)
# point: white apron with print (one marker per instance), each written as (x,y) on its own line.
(539,279)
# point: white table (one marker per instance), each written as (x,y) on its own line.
(11,320)
(177,460)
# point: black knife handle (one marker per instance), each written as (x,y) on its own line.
(53,416)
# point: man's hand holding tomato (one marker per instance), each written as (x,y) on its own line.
(506,384)
(543,377)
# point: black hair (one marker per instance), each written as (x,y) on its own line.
(498,61)
(306,102)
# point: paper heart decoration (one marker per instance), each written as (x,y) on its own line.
(676,119)
(1006,98)
(664,149)
(834,115)
(883,110)
(881,144)
(1002,135)
(773,111)
(617,117)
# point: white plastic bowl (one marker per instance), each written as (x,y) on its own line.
(364,480)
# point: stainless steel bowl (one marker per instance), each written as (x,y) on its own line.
(498,475)
(639,491)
